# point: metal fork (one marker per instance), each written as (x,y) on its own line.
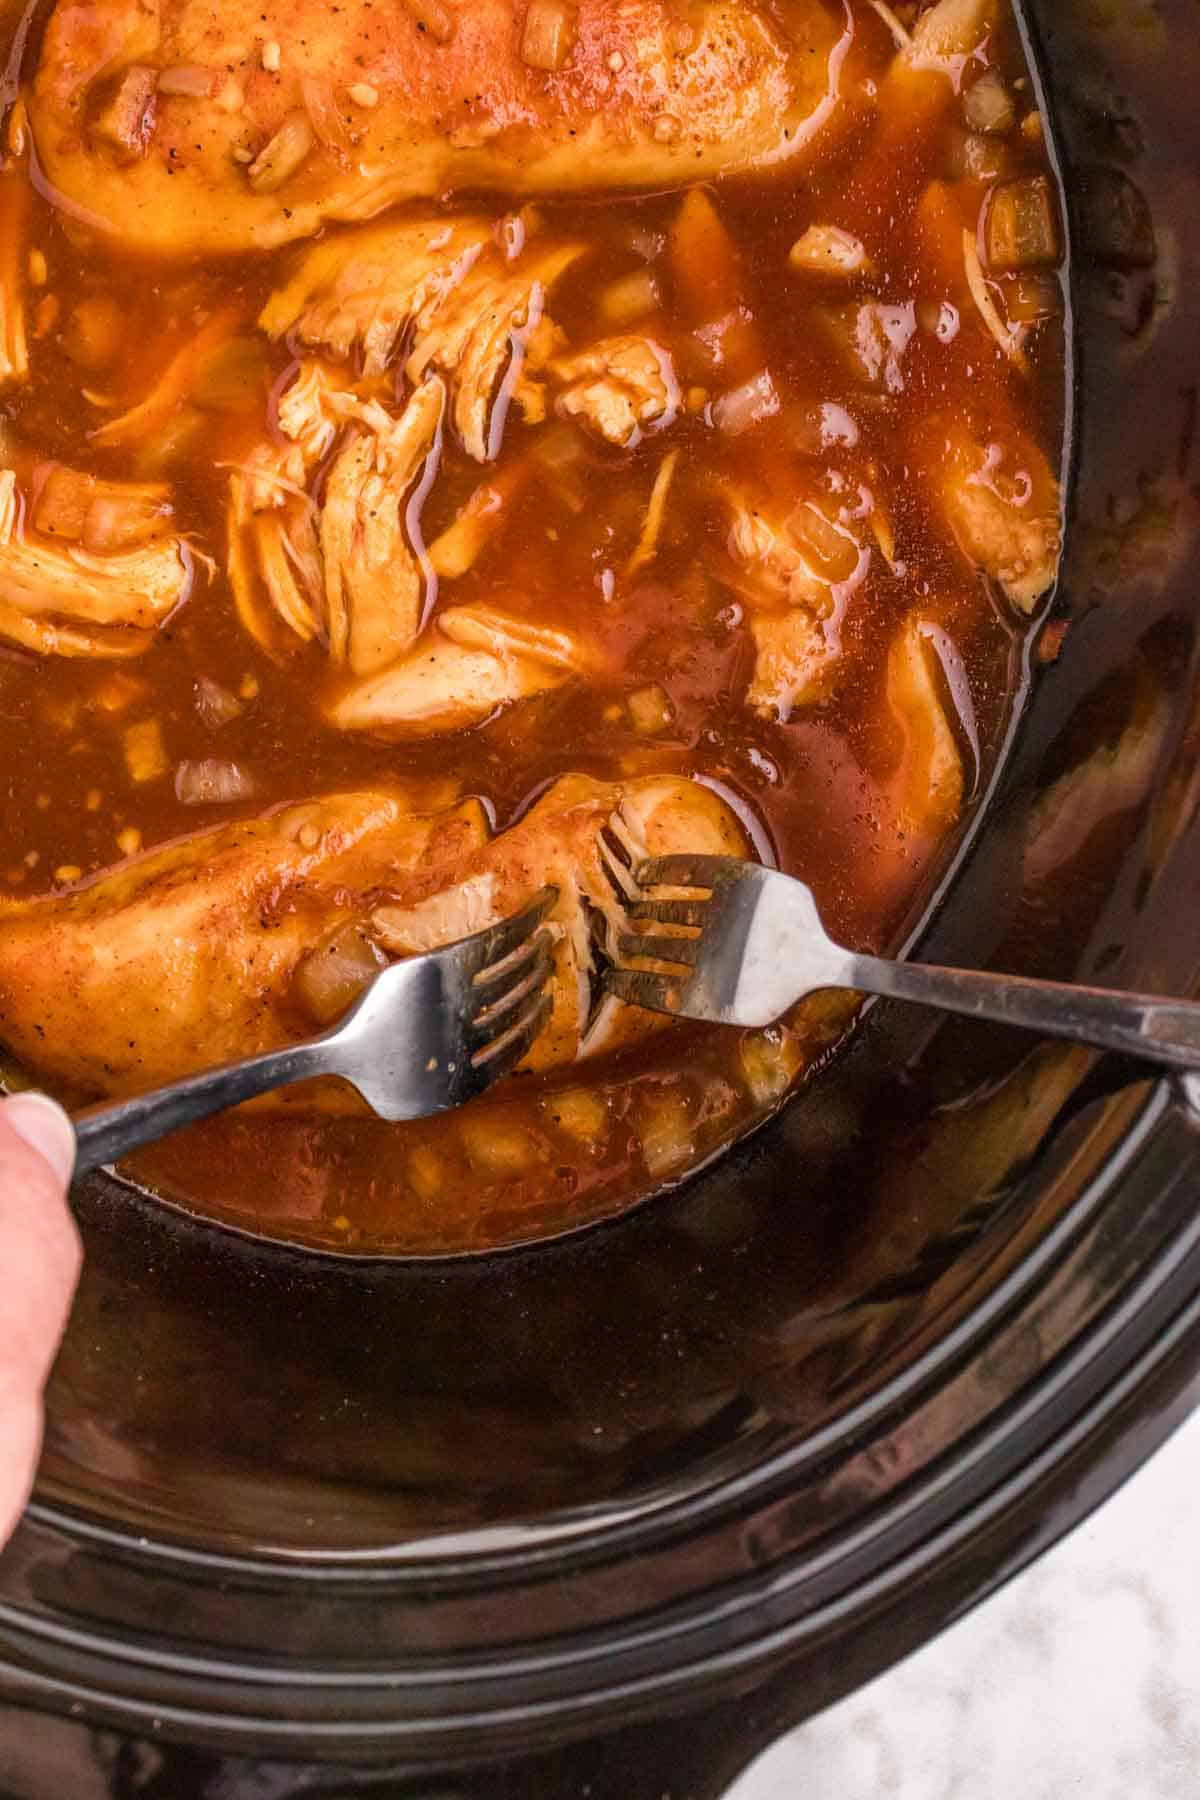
(429,1033)
(745,943)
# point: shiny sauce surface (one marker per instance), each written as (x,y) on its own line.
(780,394)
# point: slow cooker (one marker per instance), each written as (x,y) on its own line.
(604,1516)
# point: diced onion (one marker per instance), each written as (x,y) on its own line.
(1029,298)
(548,35)
(145,753)
(1008,341)
(279,159)
(215,704)
(580,1112)
(323,113)
(628,299)
(211,782)
(666,1134)
(770,1061)
(746,406)
(332,977)
(828,250)
(988,105)
(498,1146)
(650,711)
(190,79)
(1021,232)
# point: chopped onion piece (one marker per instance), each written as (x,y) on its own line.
(548,35)
(828,250)
(650,710)
(498,1146)
(628,299)
(324,116)
(145,753)
(211,782)
(1021,232)
(666,1134)
(279,159)
(748,405)
(118,522)
(189,79)
(988,105)
(1029,298)
(770,1062)
(215,704)
(580,1112)
(335,975)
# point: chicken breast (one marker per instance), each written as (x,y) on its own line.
(195,952)
(93,573)
(796,573)
(184,127)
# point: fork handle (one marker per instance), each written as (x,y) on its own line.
(110,1130)
(1161,1030)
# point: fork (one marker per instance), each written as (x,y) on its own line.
(429,1033)
(744,943)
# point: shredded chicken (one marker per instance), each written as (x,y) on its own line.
(619,388)
(347,572)
(190,954)
(484,337)
(359,294)
(928,783)
(373,580)
(796,576)
(473,661)
(71,602)
(999,497)
(445,290)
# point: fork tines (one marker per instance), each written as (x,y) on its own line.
(512,988)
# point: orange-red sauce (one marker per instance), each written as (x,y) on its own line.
(816,787)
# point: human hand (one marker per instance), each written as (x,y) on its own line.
(39,1266)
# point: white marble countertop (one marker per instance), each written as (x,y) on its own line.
(1078,1681)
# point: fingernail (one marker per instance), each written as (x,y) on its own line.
(46,1128)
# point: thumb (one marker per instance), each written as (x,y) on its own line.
(43,1125)
(39,1266)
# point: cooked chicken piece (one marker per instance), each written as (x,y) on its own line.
(794,660)
(796,576)
(126,122)
(363,106)
(78,508)
(620,388)
(560,841)
(359,293)
(445,288)
(347,572)
(374,584)
(73,602)
(192,953)
(473,661)
(998,495)
(485,337)
(186,956)
(928,784)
